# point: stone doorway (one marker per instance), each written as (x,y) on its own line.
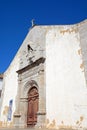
(33,98)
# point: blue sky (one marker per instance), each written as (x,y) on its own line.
(16,15)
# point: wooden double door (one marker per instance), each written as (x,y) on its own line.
(33,98)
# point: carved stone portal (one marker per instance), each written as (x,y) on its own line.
(31,99)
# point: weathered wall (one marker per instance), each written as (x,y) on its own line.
(1,81)
(82,27)
(66,90)
(35,39)
(9,89)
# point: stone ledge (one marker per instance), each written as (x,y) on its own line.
(36,63)
(41,113)
(17,115)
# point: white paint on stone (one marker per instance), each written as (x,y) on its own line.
(1,84)
(10,82)
(10,85)
(66,91)
(1,81)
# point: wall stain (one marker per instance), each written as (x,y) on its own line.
(79,122)
(47,121)
(81,118)
(62,122)
(79,51)
(5,124)
(67,127)
(5,111)
(51,125)
(1,123)
(62,126)
(72,30)
(82,65)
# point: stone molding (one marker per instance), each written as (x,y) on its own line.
(34,64)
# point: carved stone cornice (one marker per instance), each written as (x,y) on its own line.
(23,99)
(36,63)
(41,113)
(17,115)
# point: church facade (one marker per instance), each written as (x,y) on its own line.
(46,83)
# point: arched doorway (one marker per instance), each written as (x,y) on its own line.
(33,98)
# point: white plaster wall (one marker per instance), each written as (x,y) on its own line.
(10,84)
(0,89)
(1,84)
(66,91)
(36,39)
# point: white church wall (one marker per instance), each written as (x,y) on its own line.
(21,60)
(1,81)
(66,91)
(1,84)
(10,84)
(9,92)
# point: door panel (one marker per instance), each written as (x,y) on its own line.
(33,97)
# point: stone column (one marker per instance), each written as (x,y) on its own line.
(23,111)
(17,114)
(41,115)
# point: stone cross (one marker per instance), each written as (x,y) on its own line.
(33,22)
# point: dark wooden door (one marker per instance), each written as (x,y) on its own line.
(33,97)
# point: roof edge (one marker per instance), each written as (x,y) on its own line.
(71,24)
